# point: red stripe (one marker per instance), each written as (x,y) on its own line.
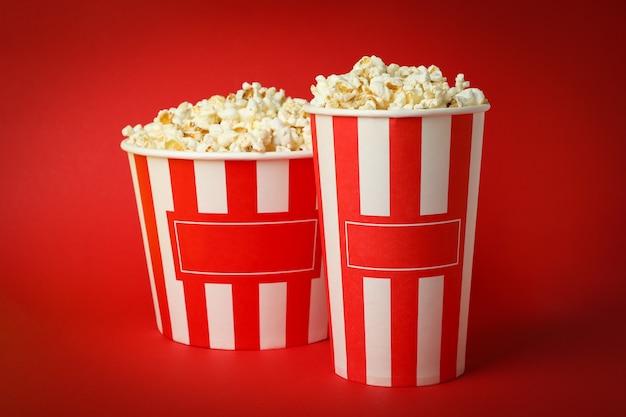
(404,330)
(346,161)
(195,302)
(302,188)
(241,190)
(347,167)
(302,204)
(298,291)
(405,154)
(183,186)
(460,143)
(457,203)
(145,191)
(405,168)
(246,315)
(450,324)
(355,324)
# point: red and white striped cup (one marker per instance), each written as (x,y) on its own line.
(232,247)
(398,195)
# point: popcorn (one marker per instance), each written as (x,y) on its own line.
(254,119)
(373,85)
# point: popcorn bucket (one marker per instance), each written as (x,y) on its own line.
(232,247)
(398,193)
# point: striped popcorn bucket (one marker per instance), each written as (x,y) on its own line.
(398,195)
(232,247)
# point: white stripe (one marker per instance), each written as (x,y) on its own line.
(377,317)
(219,307)
(435,163)
(326,159)
(272,186)
(211,186)
(273,315)
(429,323)
(318,312)
(160,182)
(470,232)
(146,245)
(374,173)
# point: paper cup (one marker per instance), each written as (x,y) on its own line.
(232,247)
(398,193)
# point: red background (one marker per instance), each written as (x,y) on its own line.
(77,330)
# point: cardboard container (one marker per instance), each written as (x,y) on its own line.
(232,247)
(399,194)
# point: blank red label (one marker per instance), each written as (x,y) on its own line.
(402,247)
(255,248)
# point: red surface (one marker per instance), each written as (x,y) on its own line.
(77,329)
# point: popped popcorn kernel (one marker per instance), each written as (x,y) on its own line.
(373,85)
(253,119)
